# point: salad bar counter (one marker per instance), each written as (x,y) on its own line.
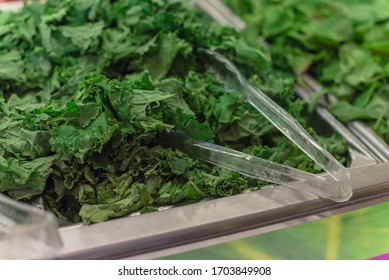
(145,126)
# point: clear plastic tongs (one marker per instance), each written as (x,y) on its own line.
(27,232)
(336,187)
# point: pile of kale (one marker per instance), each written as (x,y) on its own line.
(87,88)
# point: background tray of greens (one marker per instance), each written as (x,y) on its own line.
(357,135)
(88,86)
(342,44)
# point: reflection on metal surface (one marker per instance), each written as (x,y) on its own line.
(358,234)
(182,225)
(255,232)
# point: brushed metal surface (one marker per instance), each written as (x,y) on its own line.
(254,232)
(136,235)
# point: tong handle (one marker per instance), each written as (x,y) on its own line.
(263,169)
(27,232)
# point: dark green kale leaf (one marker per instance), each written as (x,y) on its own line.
(24,179)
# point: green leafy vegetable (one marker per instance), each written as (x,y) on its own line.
(343,44)
(89,88)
